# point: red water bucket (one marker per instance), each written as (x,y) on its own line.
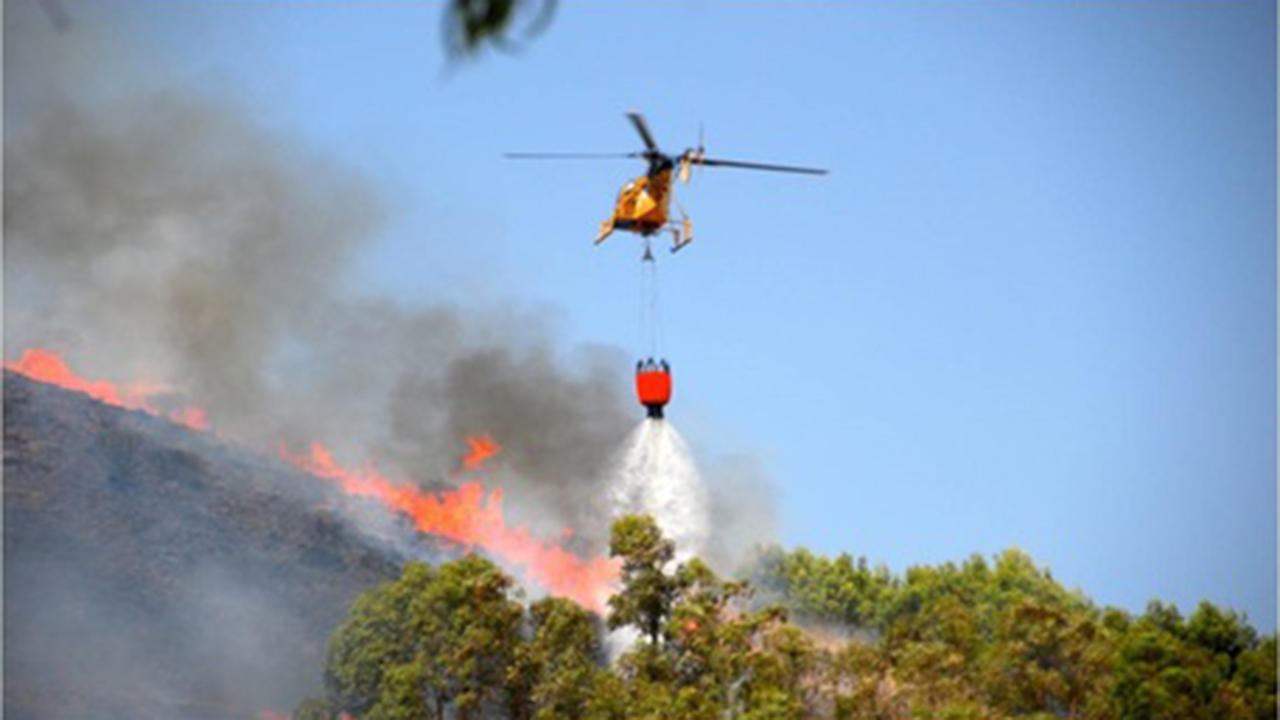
(653,386)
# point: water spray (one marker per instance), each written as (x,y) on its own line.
(656,475)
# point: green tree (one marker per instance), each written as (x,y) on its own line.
(1256,675)
(1049,659)
(979,640)
(372,639)
(1164,617)
(477,624)
(703,654)
(1224,634)
(821,589)
(781,673)
(609,698)
(859,675)
(434,641)
(562,660)
(710,638)
(645,599)
(1157,677)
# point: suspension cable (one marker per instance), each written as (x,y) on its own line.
(650,305)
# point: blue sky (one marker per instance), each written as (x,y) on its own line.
(1033,305)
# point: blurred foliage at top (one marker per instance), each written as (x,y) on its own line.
(803,636)
(472,25)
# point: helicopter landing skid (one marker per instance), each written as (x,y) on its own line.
(606,229)
(681,234)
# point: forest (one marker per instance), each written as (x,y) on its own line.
(797,636)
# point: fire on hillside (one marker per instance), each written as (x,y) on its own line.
(466,515)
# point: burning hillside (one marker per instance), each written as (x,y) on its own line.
(157,570)
(153,572)
(208,575)
(465,516)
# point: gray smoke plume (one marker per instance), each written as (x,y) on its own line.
(157,233)
(161,233)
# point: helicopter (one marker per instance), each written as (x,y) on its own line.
(643,204)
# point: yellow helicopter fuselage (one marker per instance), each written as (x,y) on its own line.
(643,204)
(643,208)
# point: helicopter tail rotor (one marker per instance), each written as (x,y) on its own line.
(692,157)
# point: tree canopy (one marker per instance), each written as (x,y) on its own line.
(803,636)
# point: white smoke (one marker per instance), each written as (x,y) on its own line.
(655,475)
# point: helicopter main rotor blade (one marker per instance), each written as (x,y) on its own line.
(569,156)
(643,128)
(711,162)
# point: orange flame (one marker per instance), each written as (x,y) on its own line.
(463,515)
(48,367)
(482,448)
(466,517)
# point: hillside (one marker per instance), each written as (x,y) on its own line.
(155,572)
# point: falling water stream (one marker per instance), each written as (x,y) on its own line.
(655,475)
